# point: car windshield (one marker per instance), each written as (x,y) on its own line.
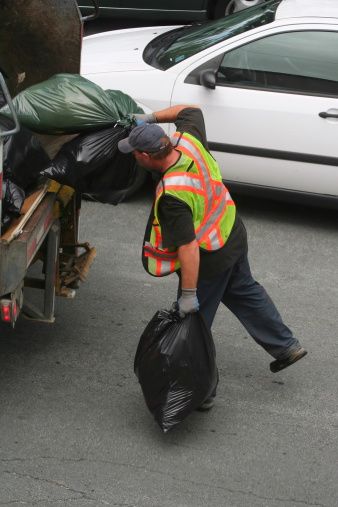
(175,46)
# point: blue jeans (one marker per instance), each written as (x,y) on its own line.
(251,304)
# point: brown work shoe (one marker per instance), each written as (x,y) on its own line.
(280,364)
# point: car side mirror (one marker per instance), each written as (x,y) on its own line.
(208,79)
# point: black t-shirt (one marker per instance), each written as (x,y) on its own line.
(176,218)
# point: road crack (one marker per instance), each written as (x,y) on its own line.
(82,494)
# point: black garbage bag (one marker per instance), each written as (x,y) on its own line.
(176,367)
(13,199)
(23,155)
(2,99)
(24,158)
(70,103)
(92,162)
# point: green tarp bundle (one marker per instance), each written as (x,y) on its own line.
(69,103)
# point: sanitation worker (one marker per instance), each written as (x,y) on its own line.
(194,229)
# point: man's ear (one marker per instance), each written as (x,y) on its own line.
(145,154)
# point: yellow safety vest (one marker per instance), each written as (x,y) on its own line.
(196,180)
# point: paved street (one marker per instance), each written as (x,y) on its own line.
(75,431)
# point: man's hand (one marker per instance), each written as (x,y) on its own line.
(188,302)
(140,119)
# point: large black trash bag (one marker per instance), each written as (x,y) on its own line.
(23,155)
(24,158)
(92,162)
(176,367)
(2,98)
(13,198)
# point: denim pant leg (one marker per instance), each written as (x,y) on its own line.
(251,304)
(210,293)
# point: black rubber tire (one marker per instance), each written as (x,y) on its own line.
(217,9)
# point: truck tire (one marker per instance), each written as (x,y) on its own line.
(223,8)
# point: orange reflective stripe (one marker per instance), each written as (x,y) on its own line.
(219,236)
(152,251)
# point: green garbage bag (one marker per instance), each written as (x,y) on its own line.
(124,103)
(70,103)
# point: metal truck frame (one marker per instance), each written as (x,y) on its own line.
(39,38)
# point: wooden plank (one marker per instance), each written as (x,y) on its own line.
(29,206)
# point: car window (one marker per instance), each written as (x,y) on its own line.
(303,61)
(173,47)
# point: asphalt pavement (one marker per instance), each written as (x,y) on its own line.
(74,428)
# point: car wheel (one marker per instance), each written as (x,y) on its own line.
(225,7)
(115,196)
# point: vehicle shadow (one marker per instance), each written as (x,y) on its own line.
(284,212)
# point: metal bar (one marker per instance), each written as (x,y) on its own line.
(8,98)
(94,15)
(51,266)
(48,284)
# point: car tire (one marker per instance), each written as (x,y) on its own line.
(115,196)
(223,8)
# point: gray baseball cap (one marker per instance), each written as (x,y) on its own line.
(148,137)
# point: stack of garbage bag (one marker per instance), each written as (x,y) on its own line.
(23,158)
(85,121)
(176,366)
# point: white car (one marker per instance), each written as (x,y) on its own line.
(266,79)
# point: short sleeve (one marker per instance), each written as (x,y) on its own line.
(191,120)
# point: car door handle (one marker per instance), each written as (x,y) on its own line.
(327,115)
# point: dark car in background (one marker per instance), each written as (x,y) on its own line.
(187,10)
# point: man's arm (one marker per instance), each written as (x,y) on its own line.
(170,114)
(167,115)
(187,118)
(189,257)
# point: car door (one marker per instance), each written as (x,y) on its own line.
(272,118)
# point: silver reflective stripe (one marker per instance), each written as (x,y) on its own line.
(214,240)
(183,180)
(165,268)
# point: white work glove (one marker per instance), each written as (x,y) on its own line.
(140,119)
(187,302)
